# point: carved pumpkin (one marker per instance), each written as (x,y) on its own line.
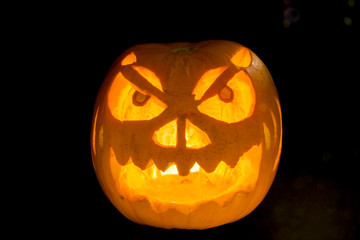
(187,135)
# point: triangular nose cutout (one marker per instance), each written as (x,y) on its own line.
(195,137)
(166,136)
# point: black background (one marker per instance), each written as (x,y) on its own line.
(314,63)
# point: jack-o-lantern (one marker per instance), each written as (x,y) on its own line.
(187,135)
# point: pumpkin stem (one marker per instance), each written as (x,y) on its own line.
(185,50)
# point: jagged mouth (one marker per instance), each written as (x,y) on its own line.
(167,189)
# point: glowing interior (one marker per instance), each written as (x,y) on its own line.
(242,105)
(195,137)
(122,107)
(167,189)
(242,58)
(206,80)
(167,135)
(277,133)
(129,59)
(149,75)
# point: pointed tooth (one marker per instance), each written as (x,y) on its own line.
(162,158)
(210,161)
(184,161)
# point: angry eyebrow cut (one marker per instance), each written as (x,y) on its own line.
(150,85)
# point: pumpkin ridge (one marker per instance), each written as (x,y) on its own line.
(186,135)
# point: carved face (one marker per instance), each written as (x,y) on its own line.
(183,125)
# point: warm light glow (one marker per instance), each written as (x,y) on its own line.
(101,136)
(172,170)
(195,168)
(121,103)
(93,131)
(149,75)
(195,137)
(242,58)
(267,136)
(167,135)
(276,133)
(206,80)
(162,189)
(242,105)
(129,59)
(186,135)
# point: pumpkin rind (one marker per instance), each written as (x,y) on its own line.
(138,144)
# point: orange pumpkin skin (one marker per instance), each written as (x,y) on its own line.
(187,135)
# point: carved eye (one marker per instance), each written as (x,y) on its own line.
(139,99)
(232,103)
(226,94)
(136,92)
(128,104)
